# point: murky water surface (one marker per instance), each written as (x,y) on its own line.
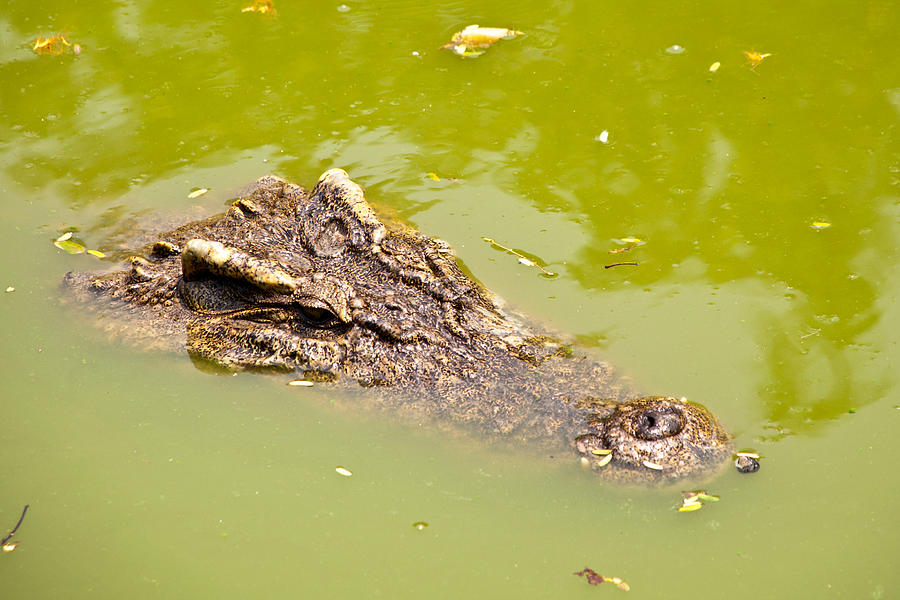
(148,478)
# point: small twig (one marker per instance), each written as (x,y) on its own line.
(810,334)
(522,258)
(14,529)
(619,264)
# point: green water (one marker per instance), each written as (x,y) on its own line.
(147,478)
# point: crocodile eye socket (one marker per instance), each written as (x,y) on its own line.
(317,316)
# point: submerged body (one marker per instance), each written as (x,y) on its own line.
(314,282)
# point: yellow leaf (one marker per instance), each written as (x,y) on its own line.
(756,57)
(96,253)
(820,224)
(473,40)
(690,507)
(604,461)
(714,67)
(55,44)
(432,176)
(343,471)
(263,7)
(197,192)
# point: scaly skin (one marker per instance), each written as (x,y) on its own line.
(315,282)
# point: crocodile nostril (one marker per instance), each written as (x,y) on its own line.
(658,423)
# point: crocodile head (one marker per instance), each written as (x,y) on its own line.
(313,281)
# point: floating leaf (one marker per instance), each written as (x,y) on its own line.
(631,240)
(343,471)
(55,44)
(652,465)
(691,501)
(436,177)
(820,225)
(714,67)
(474,40)
(9,546)
(619,583)
(64,242)
(601,451)
(604,461)
(750,454)
(756,57)
(263,7)
(420,525)
(603,138)
(96,253)
(620,250)
(10,289)
(675,49)
(300,383)
(197,192)
(595,578)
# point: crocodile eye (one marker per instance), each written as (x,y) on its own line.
(317,316)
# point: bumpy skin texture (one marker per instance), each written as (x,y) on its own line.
(315,282)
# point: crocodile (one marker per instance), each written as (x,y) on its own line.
(313,282)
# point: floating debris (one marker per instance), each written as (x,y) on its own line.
(634,241)
(603,138)
(10,290)
(436,177)
(263,7)
(714,67)
(818,225)
(96,253)
(420,525)
(603,461)
(620,250)
(675,49)
(522,258)
(300,383)
(595,578)
(601,451)
(691,501)
(474,40)
(65,242)
(756,57)
(707,497)
(197,192)
(5,544)
(55,45)
(652,465)
(343,471)
(620,264)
